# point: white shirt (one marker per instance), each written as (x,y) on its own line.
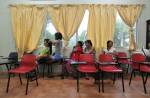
(111,50)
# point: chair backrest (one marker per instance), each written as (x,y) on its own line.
(121,54)
(13,56)
(28,60)
(105,58)
(146,53)
(137,57)
(89,58)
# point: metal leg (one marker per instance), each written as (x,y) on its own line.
(8,82)
(99,85)
(131,77)
(36,78)
(127,69)
(43,70)
(48,69)
(102,82)
(51,69)
(62,71)
(114,78)
(143,82)
(134,74)
(7,67)
(146,78)
(20,79)
(37,69)
(123,82)
(27,75)
(78,77)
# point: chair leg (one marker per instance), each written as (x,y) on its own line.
(102,82)
(27,75)
(131,77)
(51,69)
(43,70)
(127,69)
(143,82)
(78,77)
(36,78)
(7,66)
(48,69)
(20,79)
(62,71)
(114,78)
(99,85)
(123,82)
(146,78)
(8,82)
(37,69)
(134,74)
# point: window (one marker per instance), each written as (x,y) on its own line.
(48,33)
(121,35)
(80,35)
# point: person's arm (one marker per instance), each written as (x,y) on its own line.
(92,50)
(54,42)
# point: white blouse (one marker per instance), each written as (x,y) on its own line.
(111,50)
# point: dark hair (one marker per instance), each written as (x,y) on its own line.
(49,44)
(50,47)
(46,40)
(109,41)
(58,36)
(81,43)
(89,42)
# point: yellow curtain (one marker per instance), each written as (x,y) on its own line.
(27,24)
(66,19)
(130,14)
(101,25)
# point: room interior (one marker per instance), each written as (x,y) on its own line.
(56,86)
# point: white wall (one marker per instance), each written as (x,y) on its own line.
(7,41)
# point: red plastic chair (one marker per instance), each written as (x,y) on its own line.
(105,59)
(88,68)
(122,59)
(66,66)
(28,64)
(137,60)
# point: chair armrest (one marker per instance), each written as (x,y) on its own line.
(7,58)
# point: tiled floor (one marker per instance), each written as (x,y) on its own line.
(58,88)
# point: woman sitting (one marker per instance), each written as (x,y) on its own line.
(77,50)
(110,49)
(45,52)
(89,47)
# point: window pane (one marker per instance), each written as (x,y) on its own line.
(48,33)
(82,31)
(121,35)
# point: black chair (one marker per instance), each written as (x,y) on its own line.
(13,56)
(146,54)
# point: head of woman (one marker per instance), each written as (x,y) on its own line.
(109,44)
(46,42)
(88,43)
(79,44)
(58,36)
